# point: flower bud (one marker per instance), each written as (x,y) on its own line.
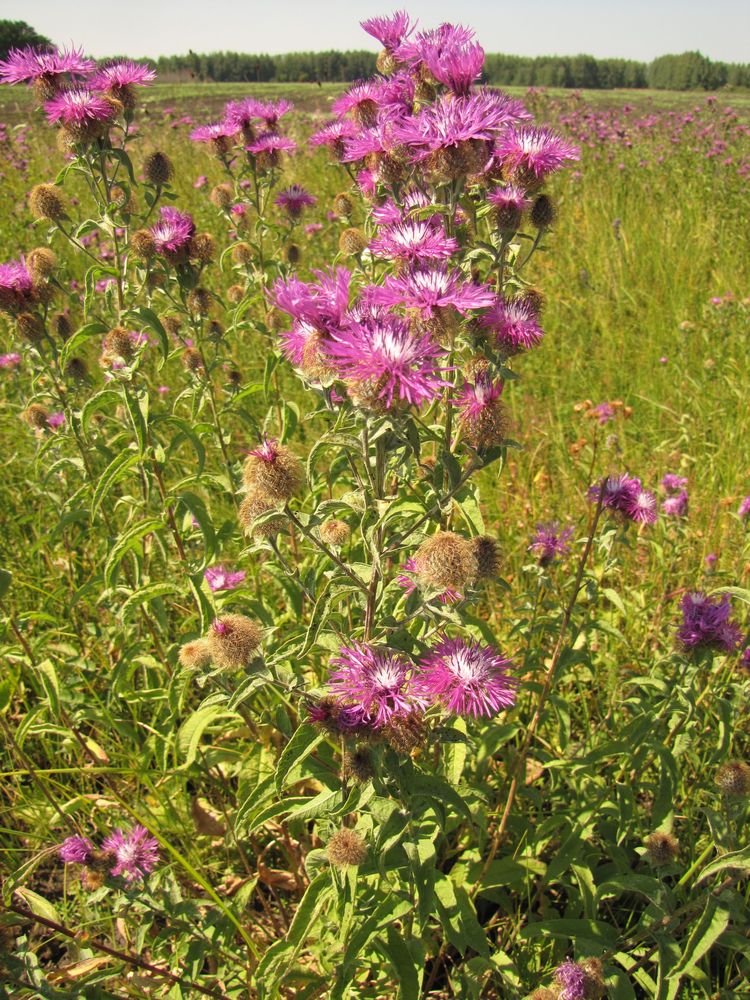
(242,253)
(192,360)
(487,553)
(404,733)
(334,532)
(543,212)
(46,202)
(352,242)
(41,262)
(734,778)
(253,507)
(30,327)
(235,294)
(199,302)
(77,370)
(661,848)
(358,764)
(36,416)
(172,324)
(292,253)
(273,472)
(202,248)
(195,655)
(343,205)
(346,848)
(118,343)
(446,561)
(142,244)
(232,641)
(158,169)
(61,326)
(222,195)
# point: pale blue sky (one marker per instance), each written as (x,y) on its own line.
(634,29)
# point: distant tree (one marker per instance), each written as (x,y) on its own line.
(17,34)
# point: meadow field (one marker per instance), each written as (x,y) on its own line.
(585,838)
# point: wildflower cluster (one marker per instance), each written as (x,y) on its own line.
(131,855)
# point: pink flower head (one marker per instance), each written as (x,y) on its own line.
(271,144)
(603,412)
(467,677)
(10,360)
(550,543)
(706,623)
(294,199)
(136,853)
(313,227)
(510,196)
(515,325)
(375,679)
(79,108)
(571,978)
(334,134)
(173,231)
(268,451)
(446,37)
(16,285)
(121,74)
(536,150)
(220,578)
(455,65)
(56,420)
(30,64)
(200,181)
(217,132)
(361,99)
(673,483)
(389,31)
(676,505)
(475,398)
(625,495)
(321,304)
(451,121)
(744,509)
(269,112)
(76,849)
(414,241)
(385,353)
(406,580)
(432,289)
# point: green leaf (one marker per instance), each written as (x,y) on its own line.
(51,685)
(301,745)
(114,472)
(149,318)
(704,935)
(737,860)
(407,967)
(147,594)
(73,342)
(5,580)
(193,728)
(126,542)
(38,904)
(95,403)
(459,918)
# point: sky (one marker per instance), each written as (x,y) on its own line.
(632,29)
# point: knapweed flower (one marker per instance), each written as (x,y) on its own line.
(220,578)
(508,203)
(293,200)
(218,134)
(269,112)
(361,100)
(467,677)
(30,65)
(603,413)
(389,31)
(267,149)
(385,361)
(346,848)
(173,232)
(744,508)
(446,561)
(673,483)
(16,286)
(550,542)
(410,575)
(336,717)
(533,151)
(273,471)
(480,412)
(136,853)
(232,641)
(12,360)
(706,623)
(76,850)
(430,290)
(118,79)
(413,241)
(374,678)
(514,324)
(83,112)
(456,66)
(334,135)
(571,979)
(56,420)
(625,495)
(676,505)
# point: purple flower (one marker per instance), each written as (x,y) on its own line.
(604,413)
(173,231)
(270,144)
(269,112)
(321,304)
(710,560)
(626,496)
(16,285)
(334,134)
(375,679)
(216,132)
(121,74)
(313,227)
(387,356)
(515,325)
(571,978)
(456,66)
(10,360)
(673,483)
(76,849)
(361,100)
(538,151)
(509,196)
(745,659)
(430,290)
(706,623)
(389,31)
(453,121)
(31,64)
(550,542)
(56,420)
(294,199)
(136,853)
(200,181)
(470,679)
(676,505)
(220,578)
(744,508)
(79,108)
(411,566)
(413,241)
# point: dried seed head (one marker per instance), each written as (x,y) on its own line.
(76,370)
(352,242)
(404,733)
(334,532)
(254,506)
(543,212)
(508,218)
(92,880)
(661,847)
(202,248)
(215,329)
(172,324)
(234,377)
(46,202)
(276,474)
(61,325)
(199,302)
(232,641)
(118,343)
(235,294)
(343,205)
(41,262)
(487,553)
(222,195)
(595,986)
(142,244)
(346,848)
(30,327)
(158,169)
(358,764)
(192,360)
(446,561)
(734,778)
(121,199)
(195,655)
(292,253)
(242,253)
(542,993)
(36,416)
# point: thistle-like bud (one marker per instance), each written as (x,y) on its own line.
(46,202)
(542,993)
(346,848)
(661,847)
(232,641)
(352,242)
(235,294)
(222,195)
(343,205)
(118,343)
(446,561)
(192,360)
(36,416)
(385,63)
(404,733)
(61,326)
(158,169)
(594,972)
(292,253)
(358,764)
(543,212)
(195,655)
(123,201)
(533,298)
(142,244)
(487,553)
(242,253)
(76,370)
(254,506)
(30,327)
(273,472)
(199,302)
(41,262)
(202,248)
(172,324)
(734,778)
(215,329)
(334,532)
